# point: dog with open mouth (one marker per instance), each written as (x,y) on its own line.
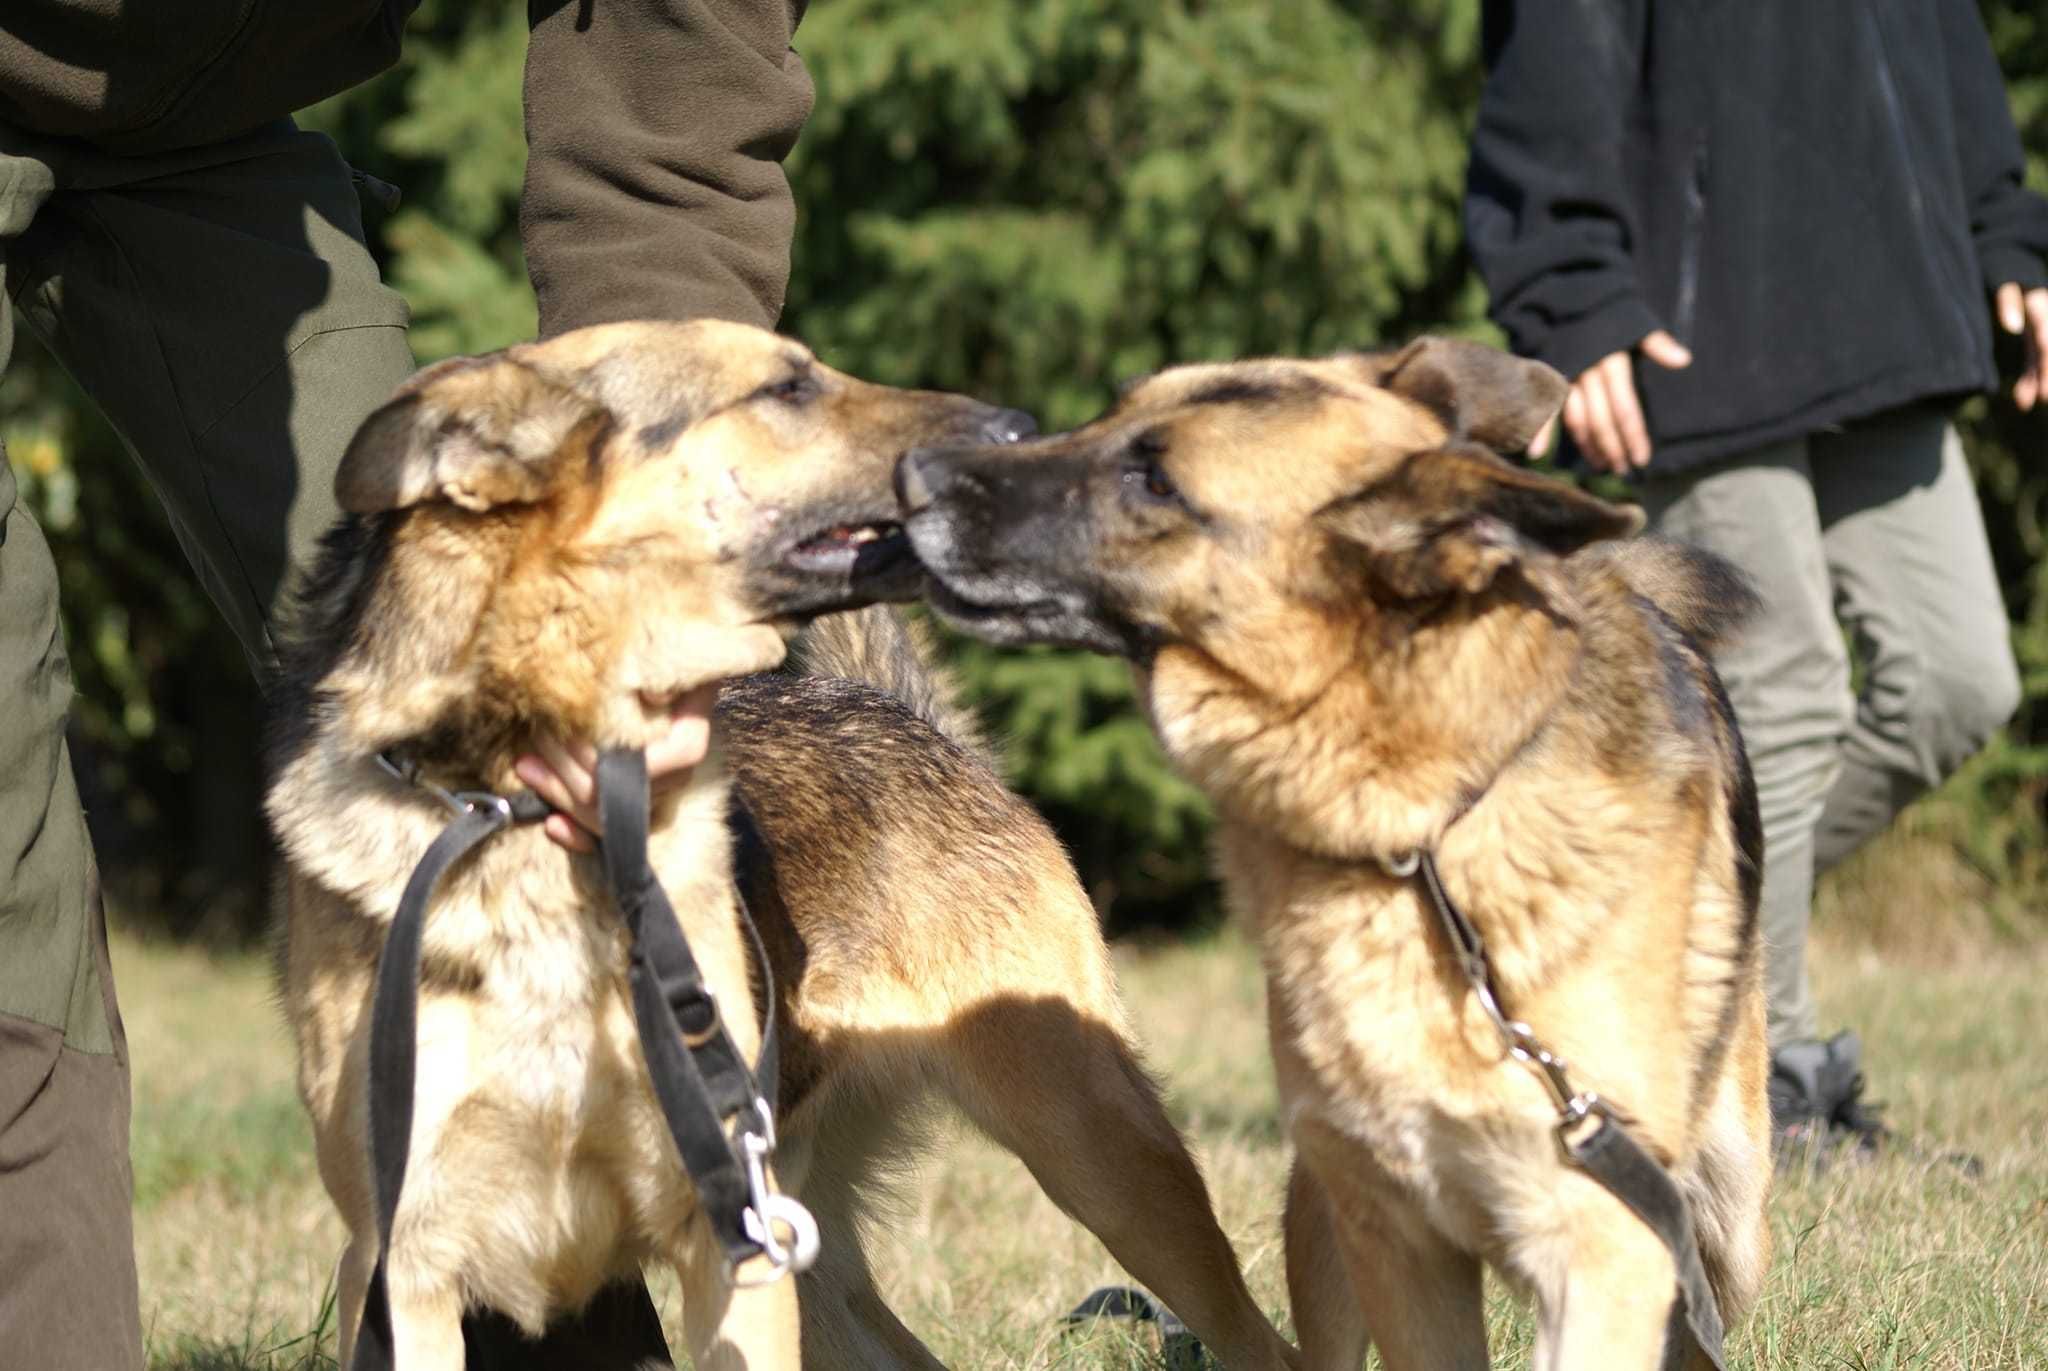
(1374,642)
(561,539)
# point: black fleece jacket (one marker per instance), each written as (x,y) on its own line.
(1816,196)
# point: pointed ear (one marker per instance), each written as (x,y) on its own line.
(1451,521)
(1481,393)
(478,432)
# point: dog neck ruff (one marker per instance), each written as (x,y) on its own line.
(1590,1131)
(700,1077)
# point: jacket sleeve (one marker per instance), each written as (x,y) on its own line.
(1546,207)
(2008,221)
(656,131)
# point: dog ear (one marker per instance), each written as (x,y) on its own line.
(478,432)
(1481,393)
(1451,521)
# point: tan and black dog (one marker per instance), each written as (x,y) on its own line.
(1366,635)
(560,539)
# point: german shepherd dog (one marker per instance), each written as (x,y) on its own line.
(1367,636)
(560,539)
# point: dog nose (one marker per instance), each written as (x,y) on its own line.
(913,482)
(1009,426)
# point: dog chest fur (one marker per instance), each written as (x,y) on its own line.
(540,1165)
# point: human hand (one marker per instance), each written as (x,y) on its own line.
(2026,311)
(565,774)
(1601,411)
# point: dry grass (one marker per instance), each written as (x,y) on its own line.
(1900,1264)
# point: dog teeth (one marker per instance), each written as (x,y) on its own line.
(866,534)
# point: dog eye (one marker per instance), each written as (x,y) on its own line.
(1152,478)
(793,390)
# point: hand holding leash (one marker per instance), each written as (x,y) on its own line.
(565,774)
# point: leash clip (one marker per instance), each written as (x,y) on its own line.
(460,801)
(766,1209)
(1524,1047)
(1574,1106)
(468,800)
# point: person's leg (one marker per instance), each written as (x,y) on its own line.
(223,310)
(68,1293)
(1915,586)
(224,313)
(1787,674)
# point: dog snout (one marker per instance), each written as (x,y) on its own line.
(1009,426)
(917,479)
(926,475)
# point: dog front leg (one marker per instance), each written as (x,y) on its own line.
(846,1323)
(351,1285)
(731,1328)
(1419,1295)
(426,1328)
(1604,1295)
(1077,1109)
(1328,1322)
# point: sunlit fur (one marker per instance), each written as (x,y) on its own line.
(561,539)
(1364,633)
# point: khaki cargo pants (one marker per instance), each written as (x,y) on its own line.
(221,309)
(1874,529)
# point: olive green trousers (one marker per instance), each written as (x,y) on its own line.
(222,310)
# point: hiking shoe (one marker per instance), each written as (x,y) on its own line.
(1818,1113)
(1179,1348)
(1857,1120)
(1816,1095)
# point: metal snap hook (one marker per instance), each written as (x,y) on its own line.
(801,1252)
(466,800)
(767,1211)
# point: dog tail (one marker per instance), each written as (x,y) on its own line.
(879,647)
(1705,594)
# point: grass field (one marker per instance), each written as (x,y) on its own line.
(1893,1265)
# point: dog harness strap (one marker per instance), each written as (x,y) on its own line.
(698,1073)
(394,1041)
(1608,1153)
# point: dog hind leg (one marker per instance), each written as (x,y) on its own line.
(1328,1322)
(1065,1093)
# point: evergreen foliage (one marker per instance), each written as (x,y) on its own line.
(1028,202)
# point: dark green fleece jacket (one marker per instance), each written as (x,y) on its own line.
(654,188)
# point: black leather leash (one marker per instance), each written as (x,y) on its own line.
(1589,1132)
(699,1075)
